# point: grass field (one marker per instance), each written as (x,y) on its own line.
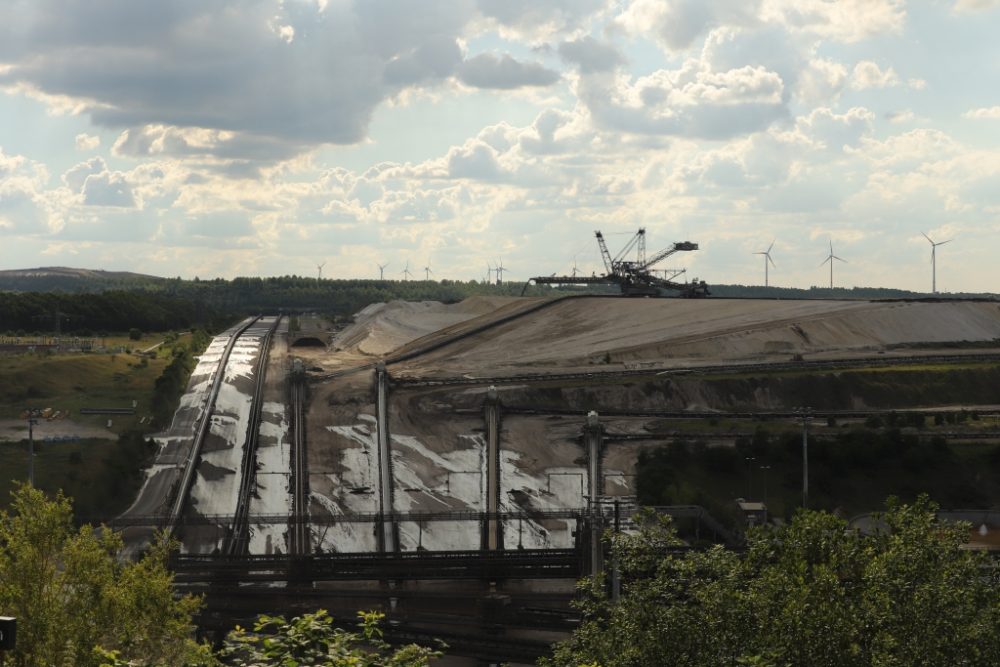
(102,475)
(73,381)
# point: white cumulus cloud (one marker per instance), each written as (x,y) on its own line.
(868,74)
(87,142)
(844,20)
(699,103)
(991,113)
(677,24)
(976,5)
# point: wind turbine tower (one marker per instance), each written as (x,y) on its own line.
(381,270)
(406,271)
(319,271)
(830,259)
(499,271)
(767,259)
(934,260)
(427,273)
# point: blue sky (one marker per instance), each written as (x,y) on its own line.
(261,137)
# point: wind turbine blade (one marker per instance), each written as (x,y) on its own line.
(771,260)
(943,242)
(927,237)
(838,258)
(770,246)
(825,260)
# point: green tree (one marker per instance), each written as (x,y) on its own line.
(812,593)
(72,594)
(311,640)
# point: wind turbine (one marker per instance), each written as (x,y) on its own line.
(381,270)
(427,273)
(830,259)
(489,271)
(934,260)
(406,271)
(319,269)
(499,271)
(767,258)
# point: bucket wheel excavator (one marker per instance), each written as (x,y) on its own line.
(635,277)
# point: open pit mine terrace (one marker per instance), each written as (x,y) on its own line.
(457,465)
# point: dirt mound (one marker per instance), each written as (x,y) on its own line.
(383,327)
(585,332)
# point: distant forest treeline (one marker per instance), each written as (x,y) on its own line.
(92,303)
(164,304)
(91,314)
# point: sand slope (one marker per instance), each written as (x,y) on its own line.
(584,332)
(384,327)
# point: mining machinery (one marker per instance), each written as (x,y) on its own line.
(635,277)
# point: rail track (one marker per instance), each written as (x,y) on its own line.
(191,463)
(386,526)
(298,529)
(753,415)
(374,566)
(731,435)
(728,369)
(239,539)
(307,595)
(605,512)
(353,517)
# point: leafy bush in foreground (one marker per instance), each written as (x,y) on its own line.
(810,594)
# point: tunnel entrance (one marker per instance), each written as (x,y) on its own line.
(308,341)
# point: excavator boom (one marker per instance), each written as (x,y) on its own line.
(667,252)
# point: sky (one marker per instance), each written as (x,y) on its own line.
(262,137)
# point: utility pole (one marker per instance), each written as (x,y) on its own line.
(764,470)
(31,449)
(805,415)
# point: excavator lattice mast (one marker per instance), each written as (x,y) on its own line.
(640,236)
(605,255)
